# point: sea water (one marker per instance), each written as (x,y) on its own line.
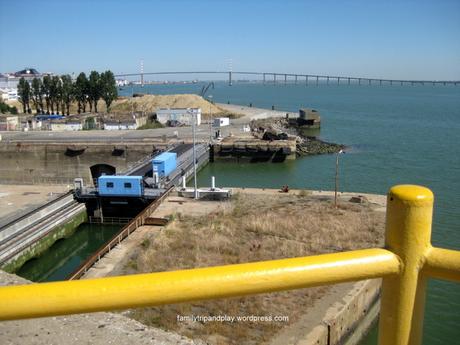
(394,134)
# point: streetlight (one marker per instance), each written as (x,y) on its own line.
(210,119)
(193,114)
(337,176)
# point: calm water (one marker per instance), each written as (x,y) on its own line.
(397,134)
(64,256)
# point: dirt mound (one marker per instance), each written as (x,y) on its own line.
(150,103)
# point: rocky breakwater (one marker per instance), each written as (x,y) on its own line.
(278,128)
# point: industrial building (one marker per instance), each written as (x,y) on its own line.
(9,94)
(9,122)
(221,122)
(113,185)
(164,164)
(181,116)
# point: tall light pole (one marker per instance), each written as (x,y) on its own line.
(193,114)
(337,176)
(210,119)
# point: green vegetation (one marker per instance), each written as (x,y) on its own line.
(89,124)
(109,91)
(24,95)
(5,108)
(151,125)
(58,92)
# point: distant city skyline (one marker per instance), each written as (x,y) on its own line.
(392,40)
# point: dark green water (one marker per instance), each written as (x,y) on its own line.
(397,134)
(64,256)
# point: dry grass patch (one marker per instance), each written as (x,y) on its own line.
(150,103)
(253,228)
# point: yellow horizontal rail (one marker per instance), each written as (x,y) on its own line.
(443,264)
(405,265)
(58,298)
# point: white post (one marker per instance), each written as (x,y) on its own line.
(210,118)
(194,154)
(184,182)
(213,183)
(336,178)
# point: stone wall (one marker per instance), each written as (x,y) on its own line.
(49,164)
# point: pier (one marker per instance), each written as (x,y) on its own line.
(255,149)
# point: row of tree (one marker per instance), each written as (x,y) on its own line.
(54,94)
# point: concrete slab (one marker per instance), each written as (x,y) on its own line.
(16,200)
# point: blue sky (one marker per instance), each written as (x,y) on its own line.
(387,39)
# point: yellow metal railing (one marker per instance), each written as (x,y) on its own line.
(405,264)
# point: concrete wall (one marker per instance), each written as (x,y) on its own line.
(61,230)
(348,320)
(47,163)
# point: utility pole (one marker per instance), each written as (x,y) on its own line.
(230,70)
(210,119)
(337,177)
(193,114)
(142,72)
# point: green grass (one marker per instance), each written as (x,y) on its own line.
(151,125)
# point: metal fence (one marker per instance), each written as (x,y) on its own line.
(108,220)
(130,227)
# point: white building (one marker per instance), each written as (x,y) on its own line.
(9,94)
(121,82)
(180,115)
(66,126)
(128,125)
(9,122)
(119,125)
(221,122)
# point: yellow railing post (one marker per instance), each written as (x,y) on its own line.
(408,233)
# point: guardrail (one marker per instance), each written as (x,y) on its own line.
(132,225)
(108,220)
(405,265)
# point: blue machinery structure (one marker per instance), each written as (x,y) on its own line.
(125,195)
(120,185)
(164,164)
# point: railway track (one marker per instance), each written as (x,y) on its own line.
(17,238)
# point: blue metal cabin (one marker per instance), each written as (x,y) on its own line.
(113,185)
(49,117)
(164,164)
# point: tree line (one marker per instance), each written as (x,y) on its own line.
(55,94)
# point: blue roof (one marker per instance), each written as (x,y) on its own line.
(49,117)
(165,155)
(121,177)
